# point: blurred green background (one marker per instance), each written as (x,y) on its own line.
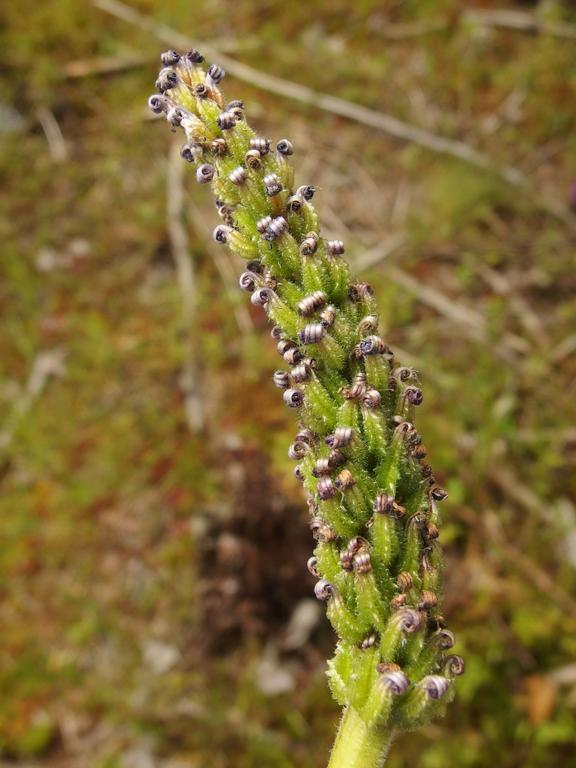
(154,601)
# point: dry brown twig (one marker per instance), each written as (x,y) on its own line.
(337,106)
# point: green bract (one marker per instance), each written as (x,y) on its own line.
(372,497)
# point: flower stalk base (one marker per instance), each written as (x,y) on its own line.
(358,745)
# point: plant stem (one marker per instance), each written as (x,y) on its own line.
(358,745)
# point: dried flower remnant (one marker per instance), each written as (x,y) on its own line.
(373,499)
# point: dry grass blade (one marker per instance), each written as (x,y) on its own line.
(44,366)
(187,285)
(56,142)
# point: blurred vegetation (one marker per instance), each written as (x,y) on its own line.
(148,570)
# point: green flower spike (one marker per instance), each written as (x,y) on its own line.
(373,499)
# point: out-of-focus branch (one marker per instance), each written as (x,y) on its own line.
(337,106)
(516,21)
(520,21)
(103,65)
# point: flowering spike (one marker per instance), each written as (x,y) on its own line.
(372,497)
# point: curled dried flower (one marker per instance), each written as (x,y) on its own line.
(345,480)
(444,639)
(281,380)
(312,566)
(437,493)
(435,686)
(220,235)
(158,104)
(397,602)
(253,160)
(293,398)
(301,373)
(328,316)
(194,56)
(285,147)
(387,666)
(170,58)
(311,303)
(408,620)
(322,531)
(372,345)
(369,642)
(261,297)
(261,145)
(428,599)
(362,562)
(368,325)
(205,173)
(372,399)
(335,247)
(263,224)
(413,395)
(326,488)
(312,333)
(324,590)
(306,435)
(238,176)
(454,665)
(215,73)
(396,682)
(404,581)
(247,280)
(272,184)
(276,228)
(321,467)
(341,437)
(167,79)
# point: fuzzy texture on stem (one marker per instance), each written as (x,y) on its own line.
(372,497)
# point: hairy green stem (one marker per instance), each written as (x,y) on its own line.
(358,745)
